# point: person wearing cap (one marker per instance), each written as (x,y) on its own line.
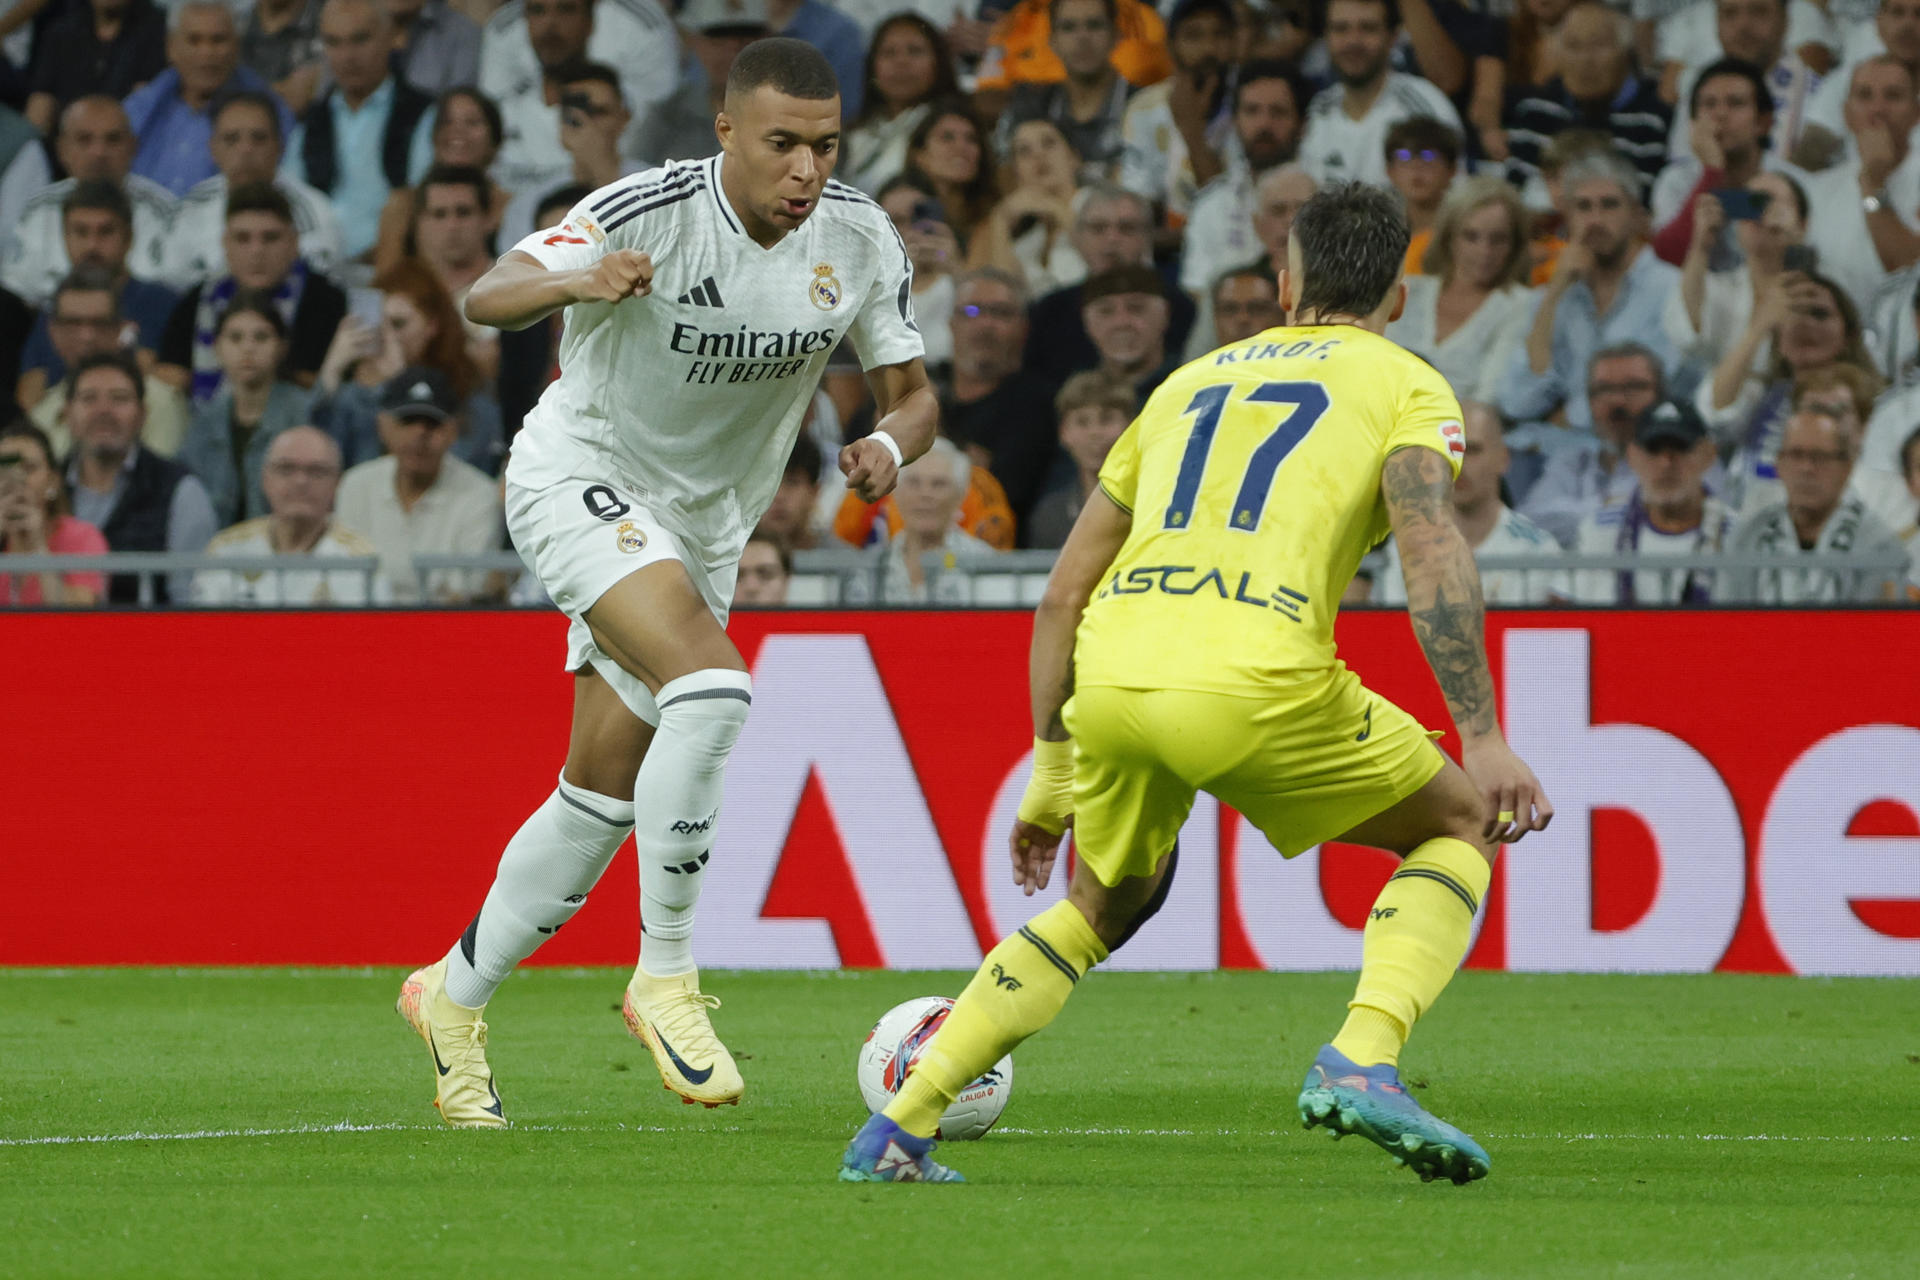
(713,32)
(1125,312)
(416,500)
(301,476)
(1177,133)
(1668,514)
(1089,102)
(1820,515)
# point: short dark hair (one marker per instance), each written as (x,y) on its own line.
(259,197)
(1187,10)
(583,71)
(1736,69)
(1254,272)
(1423,133)
(911,180)
(250,98)
(1391,6)
(805,460)
(1353,243)
(1274,69)
(792,67)
(562,198)
(1910,455)
(780,548)
(120,361)
(101,195)
(1111,6)
(489,111)
(254,302)
(88,278)
(455,175)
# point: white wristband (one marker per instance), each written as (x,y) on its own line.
(892,445)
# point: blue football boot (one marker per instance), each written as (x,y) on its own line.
(1371,1101)
(884,1152)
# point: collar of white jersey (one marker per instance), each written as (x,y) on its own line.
(720,196)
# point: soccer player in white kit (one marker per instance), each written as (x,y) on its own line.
(703,299)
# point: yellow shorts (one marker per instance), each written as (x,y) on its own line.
(1302,770)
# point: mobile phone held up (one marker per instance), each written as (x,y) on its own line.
(1741,204)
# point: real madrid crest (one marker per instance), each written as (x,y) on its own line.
(631,540)
(824,292)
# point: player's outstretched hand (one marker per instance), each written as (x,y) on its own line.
(624,273)
(869,469)
(1034,849)
(1515,803)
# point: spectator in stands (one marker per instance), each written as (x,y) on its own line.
(1246,301)
(1347,122)
(527,41)
(1895,33)
(1708,312)
(998,412)
(1818,515)
(1731,113)
(137,499)
(95,144)
(790,517)
(934,251)
(262,248)
(909,67)
(713,32)
(1909,530)
(97,231)
(300,477)
(529,357)
(1669,513)
(1468,314)
(1089,102)
(1532,30)
(1755,32)
(838,38)
(84,319)
(366,134)
(947,150)
(106,48)
(435,48)
(230,435)
(1028,231)
(1607,286)
(928,498)
(247,147)
(1550,222)
(418,328)
(451,227)
(416,500)
(1489,525)
(1177,135)
(766,567)
(1624,381)
(281,44)
(1802,324)
(24,170)
(35,520)
(1093,411)
(1866,211)
(1125,313)
(1113,227)
(1595,88)
(1422,157)
(1020,49)
(1276,198)
(1266,126)
(172,114)
(466,135)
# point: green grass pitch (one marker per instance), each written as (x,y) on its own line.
(1639,1127)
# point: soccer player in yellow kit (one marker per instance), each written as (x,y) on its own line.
(1186,643)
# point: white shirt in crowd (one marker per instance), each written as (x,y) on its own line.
(962,549)
(1600,534)
(876,152)
(1837,224)
(1474,357)
(292,587)
(191,251)
(1793,85)
(1512,535)
(1850,531)
(34,257)
(1577,483)
(634,37)
(1154,162)
(459,515)
(1726,307)
(693,394)
(1690,35)
(1337,148)
(25,177)
(1219,234)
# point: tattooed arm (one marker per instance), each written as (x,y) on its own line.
(1443,597)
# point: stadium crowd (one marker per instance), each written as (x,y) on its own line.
(1668,255)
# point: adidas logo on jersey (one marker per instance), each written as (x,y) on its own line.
(704,294)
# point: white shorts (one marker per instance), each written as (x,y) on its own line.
(581,536)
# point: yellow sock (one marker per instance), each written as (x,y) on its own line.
(1416,937)
(1022,985)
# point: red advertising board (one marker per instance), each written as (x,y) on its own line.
(1735,791)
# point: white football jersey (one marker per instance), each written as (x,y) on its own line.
(1512,535)
(692,395)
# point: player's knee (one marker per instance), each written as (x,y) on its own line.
(706,708)
(1115,915)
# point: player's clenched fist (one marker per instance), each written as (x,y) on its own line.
(869,469)
(624,273)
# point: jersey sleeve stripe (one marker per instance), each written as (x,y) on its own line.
(640,191)
(649,207)
(1115,501)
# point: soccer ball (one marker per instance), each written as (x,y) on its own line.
(892,1049)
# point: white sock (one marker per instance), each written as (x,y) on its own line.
(549,867)
(701,715)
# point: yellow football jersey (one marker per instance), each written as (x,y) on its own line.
(1253,477)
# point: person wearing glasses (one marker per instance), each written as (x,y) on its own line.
(1422,157)
(300,477)
(35,519)
(84,319)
